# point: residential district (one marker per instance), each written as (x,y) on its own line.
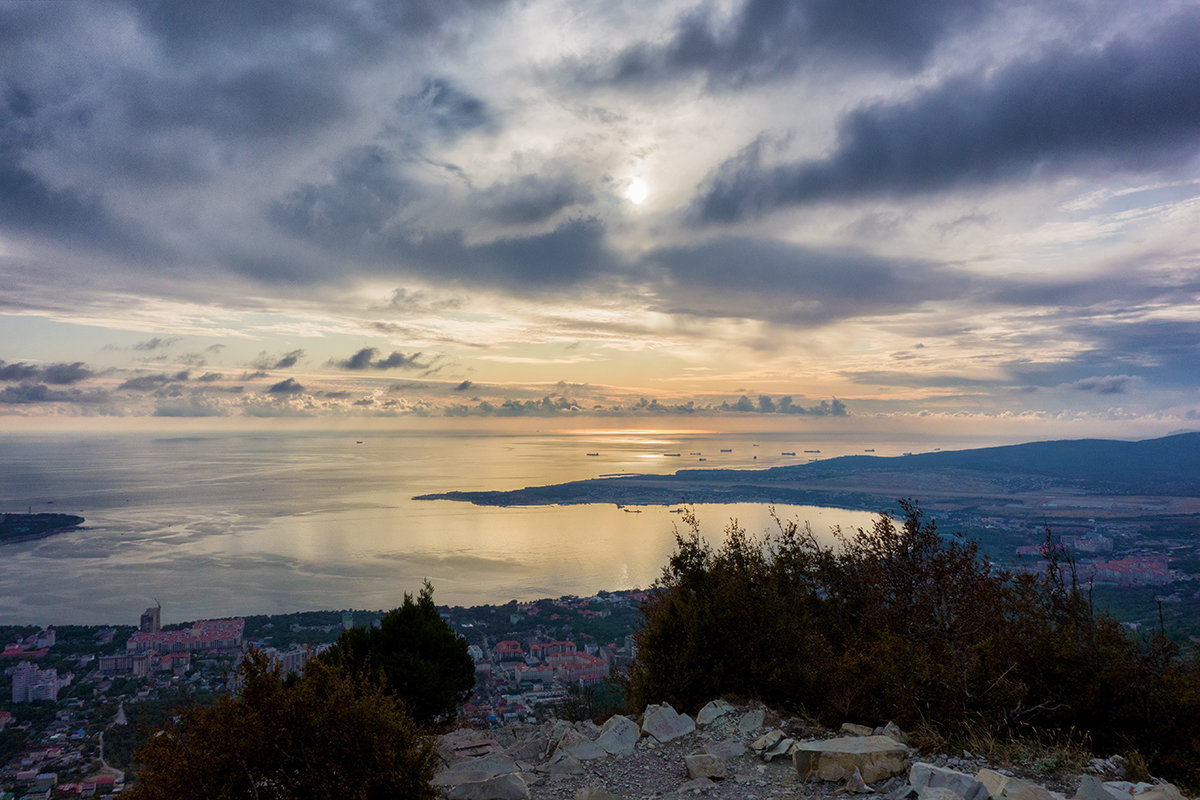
(75,700)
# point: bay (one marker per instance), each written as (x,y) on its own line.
(226,522)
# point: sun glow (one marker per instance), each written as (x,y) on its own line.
(637,192)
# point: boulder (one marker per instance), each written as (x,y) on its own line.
(876,758)
(664,723)
(712,711)
(1013,788)
(892,731)
(1124,790)
(618,736)
(924,777)
(767,741)
(1090,788)
(783,747)
(580,746)
(474,770)
(563,763)
(855,784)
(501,787)
(850,729)
(726,749)
(705,765)
(751,720)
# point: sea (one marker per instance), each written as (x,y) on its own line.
(232,522)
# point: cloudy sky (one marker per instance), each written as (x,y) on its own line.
(822,208)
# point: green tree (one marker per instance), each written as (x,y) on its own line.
(325,734)
(416,655)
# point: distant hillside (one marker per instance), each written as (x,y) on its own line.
(1169,466)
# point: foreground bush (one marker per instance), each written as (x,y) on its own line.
(324,735)
(900,623)
(416,656)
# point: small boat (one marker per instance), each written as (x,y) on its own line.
(593,454)
(671,455)
(694,453)
(812,451)
(869,450)
(727,450)
(702,459)
(632,510)
(359,441)
(788,454)
(908,454)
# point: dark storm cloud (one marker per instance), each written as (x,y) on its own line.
(288,386)
(464,386)
(266,361)
(55,374)
(1130,105)
(769,39)
(365,359)
(530,199)
(782,282)
(31,393)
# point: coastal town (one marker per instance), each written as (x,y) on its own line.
(76,700)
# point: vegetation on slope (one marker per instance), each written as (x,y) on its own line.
(899,622)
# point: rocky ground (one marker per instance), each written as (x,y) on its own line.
(743,753)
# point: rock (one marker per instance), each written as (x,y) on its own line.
(1113,766)
(1090,788)
(466,743)
(926,776)
(474,770)
(893,732)
(876,757)
(619,736)
(595,793)
(588,728)
(751,720)
(1143,791)
(705,765)
(726,749)
(850,729)
(783,747)
(767,741)
(855,784)
(698,785)
(1005,786)
(532,748)
(502,787)
(712,711)
(578,745)
(563,763)
(664,723)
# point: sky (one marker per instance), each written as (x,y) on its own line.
(909,213)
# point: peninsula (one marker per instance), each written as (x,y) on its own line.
(23,527)
(1067,478)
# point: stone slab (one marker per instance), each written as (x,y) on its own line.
(876,757)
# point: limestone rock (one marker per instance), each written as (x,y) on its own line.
(855,784)
(1143,791)
(705,765)
(712,711)
(664,723)
(563,763)
(767,741)
(618,736)
(751,720)
(1014,788)
(892,731)
(726,749)
(1090,788)
(850,729)
(580,746)
(501,787)
(474,770)
(927,776)
(876,757)
(784,747)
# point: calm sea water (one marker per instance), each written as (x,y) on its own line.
(238,523)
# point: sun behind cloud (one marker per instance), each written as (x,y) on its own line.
(637,191)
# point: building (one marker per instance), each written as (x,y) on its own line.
(30,683)
(207,634)
(135,664)
(151,621)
